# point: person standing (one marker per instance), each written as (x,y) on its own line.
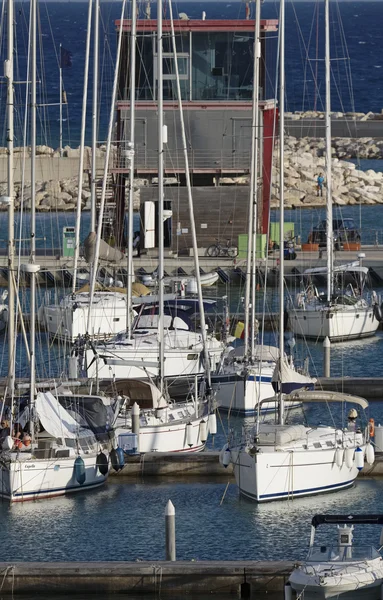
(320,181)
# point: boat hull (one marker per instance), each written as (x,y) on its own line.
(337,325)
(268,476)
(358,585)
(32,479)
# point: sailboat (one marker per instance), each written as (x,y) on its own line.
(341,314)
(275,461)
(246,378)
(47,450)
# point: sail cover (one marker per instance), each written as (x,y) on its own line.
(106,252)
(56,420)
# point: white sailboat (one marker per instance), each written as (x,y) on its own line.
(340,316)
(342,570)
(279,461)
(66,455)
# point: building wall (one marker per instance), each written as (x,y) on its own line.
(218,140)
(219,213)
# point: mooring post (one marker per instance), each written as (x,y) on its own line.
(170,531)
(136,423)
(326,356)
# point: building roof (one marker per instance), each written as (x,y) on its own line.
(208,25)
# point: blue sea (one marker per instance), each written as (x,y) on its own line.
(356,69)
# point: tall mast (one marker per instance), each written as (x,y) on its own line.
(160,101)
(94,115)
(255,141)
(191,208)
(282,207)
(131,166)
(8,69)
(32,329)
(329,232)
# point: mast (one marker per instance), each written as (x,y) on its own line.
(131,167)
(282,208)
(61,101)
(32,271)
(160,101)
(255,140)
(94,116)
(82,149)
(191,208)
(329,232)
(8,69)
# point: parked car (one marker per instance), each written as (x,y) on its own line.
(344,230)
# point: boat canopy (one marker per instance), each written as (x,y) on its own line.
(319,396)
(339,519)
(145,393)
(261,352)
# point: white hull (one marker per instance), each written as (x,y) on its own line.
(183,358)
(235,393)
(358,585)
(168,437)
(25,478)
(269,474)
(337,323)
(69,320)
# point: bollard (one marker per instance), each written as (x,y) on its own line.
(136,423)
(170,531)
(326,356)
(72,367)
(289,592)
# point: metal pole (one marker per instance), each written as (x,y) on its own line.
(131,170)
(282,208)
(82,147)
(170,531)
(94,117)
(257,58)
(160,100)
(329,232)
(32,327)
(61,103)
(326,356)
(136,423)
(11,193)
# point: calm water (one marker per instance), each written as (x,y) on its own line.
(125,521)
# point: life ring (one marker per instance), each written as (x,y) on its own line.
(371,428)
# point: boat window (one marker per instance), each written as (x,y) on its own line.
(329,443)
(192,356)
(317,445)
(342,553)
(180,414)
(116,319)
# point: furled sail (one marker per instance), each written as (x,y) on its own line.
(107,253)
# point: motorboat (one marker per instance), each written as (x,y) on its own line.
(275,461)
(344,570)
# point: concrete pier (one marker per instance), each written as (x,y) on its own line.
(160,578)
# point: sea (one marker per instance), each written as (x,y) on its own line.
(125,519)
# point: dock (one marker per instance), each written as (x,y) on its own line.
(246,579)
(56,269)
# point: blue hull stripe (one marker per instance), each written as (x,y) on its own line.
(68,488)
(318,490)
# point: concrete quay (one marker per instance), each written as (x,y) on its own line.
(233,270)
(147,578)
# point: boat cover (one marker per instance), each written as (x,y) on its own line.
(56,420)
